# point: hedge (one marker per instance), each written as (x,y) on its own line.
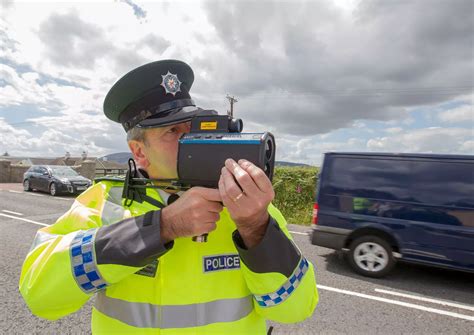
(295,189)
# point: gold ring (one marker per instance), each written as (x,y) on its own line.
(238,197)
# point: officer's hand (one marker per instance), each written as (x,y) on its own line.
(194,213)
(247,198)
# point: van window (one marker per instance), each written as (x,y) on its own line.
(420,181)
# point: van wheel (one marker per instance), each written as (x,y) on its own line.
(371,256)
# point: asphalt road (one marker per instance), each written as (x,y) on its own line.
(412,300)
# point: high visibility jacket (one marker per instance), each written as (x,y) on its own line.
(102,247)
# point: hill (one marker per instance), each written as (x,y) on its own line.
(290,164)
(119,157)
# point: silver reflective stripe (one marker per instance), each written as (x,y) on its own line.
(144,315)
(113,210)
(42,237)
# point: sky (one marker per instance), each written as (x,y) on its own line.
(321,75)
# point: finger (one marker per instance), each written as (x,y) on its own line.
(222,189)
(232,189)
(211,226)
(257,174)
(244,180)
(215,207)
(211,217)
(210,194)
(205,228)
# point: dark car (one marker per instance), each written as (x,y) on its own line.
(55,179)
(380,208)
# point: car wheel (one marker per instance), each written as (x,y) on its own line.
(53,190)
(371,256)
(26,185)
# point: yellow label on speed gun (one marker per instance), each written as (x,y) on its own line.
(209,125)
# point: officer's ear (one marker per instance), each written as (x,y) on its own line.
(138,152)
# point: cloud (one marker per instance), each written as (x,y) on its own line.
(79,44)
(16,138)
(464,113)
(73,133)
(23,88)
(155,42)
(394,130)
(321,76)
(468,147)
(6,42)
(6,4)
(317,70)
(310,150)
(429,140)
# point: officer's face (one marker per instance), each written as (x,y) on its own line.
(160,150)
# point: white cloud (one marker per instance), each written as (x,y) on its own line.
(310,150)
(66,133)
(429,140)
(459,114)
(10,138)
(467,147)
(394,130)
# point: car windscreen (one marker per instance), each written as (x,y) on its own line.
(63,172)
(434,182)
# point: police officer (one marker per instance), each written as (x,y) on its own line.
(139,260)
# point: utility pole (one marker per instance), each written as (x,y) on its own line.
(231,100)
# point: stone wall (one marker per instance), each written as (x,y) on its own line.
(4,171)
(16,173)
(11,173)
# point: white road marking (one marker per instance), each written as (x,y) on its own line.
(434,301)
(10,212)
(396,302)
(63,198)
(26,220)
(38,195)
(29,193)
(297,232)
(34,194)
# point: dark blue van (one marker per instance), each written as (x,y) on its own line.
(382,207)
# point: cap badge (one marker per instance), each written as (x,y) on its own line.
(171,83)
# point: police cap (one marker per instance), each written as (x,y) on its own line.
(152,95)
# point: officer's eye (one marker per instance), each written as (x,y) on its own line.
(172,130)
